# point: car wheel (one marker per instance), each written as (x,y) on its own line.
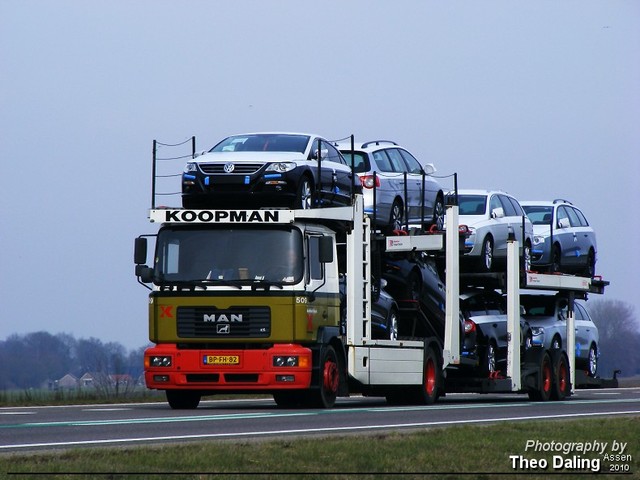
(303,197)
(183,400)
(555,260)
(489,362)
(486,255)
(396,219)
(593,361)
(414,286)
(590,268)
(526,257)
(438,214)
(392,324)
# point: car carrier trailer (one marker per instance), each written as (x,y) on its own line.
(295,338)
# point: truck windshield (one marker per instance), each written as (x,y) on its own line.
(237,254)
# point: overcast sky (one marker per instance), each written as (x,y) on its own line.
(539,98)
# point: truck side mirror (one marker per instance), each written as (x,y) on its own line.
(140,251)
(326,249)
(144,273)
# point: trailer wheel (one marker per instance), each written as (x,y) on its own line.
(561,378)
(545,380)
(183,400)
(325,395)
(429,391)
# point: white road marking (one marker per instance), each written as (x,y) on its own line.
(313,430)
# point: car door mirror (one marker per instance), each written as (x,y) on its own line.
(563,223)
(497,212)
(429,169)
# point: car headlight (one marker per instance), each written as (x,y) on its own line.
(538,239)
(190,167)
(537,331)
(281,167)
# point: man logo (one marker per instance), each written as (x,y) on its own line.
(229,167)
(223,329)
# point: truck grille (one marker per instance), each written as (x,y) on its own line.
(239,168)
(235,322)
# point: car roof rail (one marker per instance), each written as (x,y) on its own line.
(378,142)
(558,200)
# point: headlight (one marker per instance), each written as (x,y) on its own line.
(191,167)
(160,361)
(537,331)
(281,167)
(537,239)
(285,361)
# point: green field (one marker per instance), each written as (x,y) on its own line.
(469,452)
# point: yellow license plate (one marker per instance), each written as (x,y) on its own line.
(222,359)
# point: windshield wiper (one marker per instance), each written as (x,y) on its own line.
(266,284)
(193,284)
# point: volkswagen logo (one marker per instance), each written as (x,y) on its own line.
(229,167)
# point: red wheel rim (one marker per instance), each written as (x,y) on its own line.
(430,377)
(546,379)
(562,377)
(330,376)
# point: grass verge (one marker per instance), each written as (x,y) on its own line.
(469,452)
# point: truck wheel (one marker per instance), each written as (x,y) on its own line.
(561,378)
(545,380)
(429,391)
(289,399)
(183,400)
(325,395)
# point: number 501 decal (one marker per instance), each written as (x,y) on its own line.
(301,300)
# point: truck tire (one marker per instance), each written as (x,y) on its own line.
(561,387)
(542,392)
(289,398)
(324,396)
(428,392)
(183,399)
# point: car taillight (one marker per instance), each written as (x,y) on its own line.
(367,181)
(469,326)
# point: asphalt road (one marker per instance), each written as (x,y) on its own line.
(28,429)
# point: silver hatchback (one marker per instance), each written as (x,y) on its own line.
(405,190)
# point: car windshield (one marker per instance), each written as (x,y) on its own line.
(538,214)
(472,204)
(263,142)
(197,255)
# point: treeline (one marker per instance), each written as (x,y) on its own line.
(40,359)
(619,330)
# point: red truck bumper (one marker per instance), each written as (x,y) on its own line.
(281,367)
